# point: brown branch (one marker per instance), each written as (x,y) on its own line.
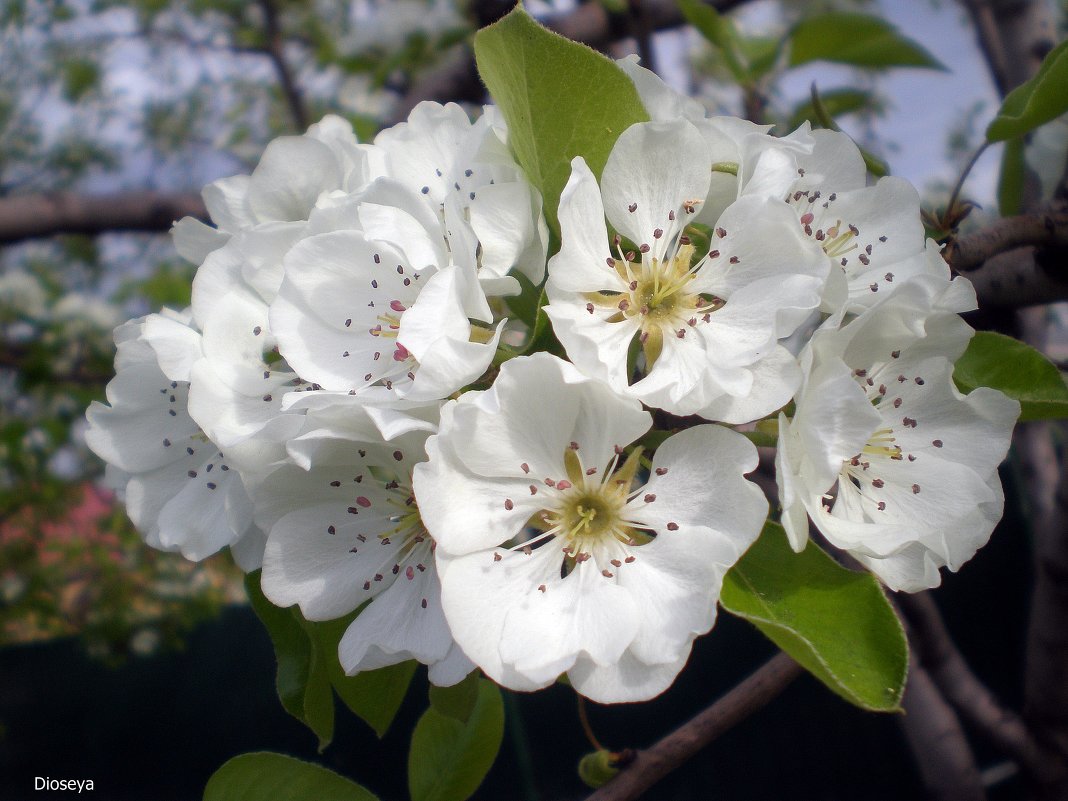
(968,695)
(990,43)
(1046,665)
(654,763)
(32,216)
(945,760)
(1042,230)
(275,50)
(1019,278)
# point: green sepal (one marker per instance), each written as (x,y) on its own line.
(598,768)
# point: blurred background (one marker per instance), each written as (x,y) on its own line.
(146,672)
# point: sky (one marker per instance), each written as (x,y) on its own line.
(924,105)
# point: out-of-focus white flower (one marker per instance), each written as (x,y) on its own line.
(889,460)
(622,573)
(78,309)
(22,293)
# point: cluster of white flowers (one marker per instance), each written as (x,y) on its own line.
(331,406)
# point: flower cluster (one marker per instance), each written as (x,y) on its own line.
(337,405)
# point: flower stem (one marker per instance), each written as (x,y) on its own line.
(586,727)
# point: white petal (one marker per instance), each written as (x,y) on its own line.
(544,632)
(628,680)
(292,173)
(194,240)
(658,166)
(403,622)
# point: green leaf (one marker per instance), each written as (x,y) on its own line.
(761,53)
(526,305)
(261,776)
(836,623)
(720,31)
(1038,101)
(80,76)
(449,758)
(835,103)
(560,99)
(1011,178)
(857,39)
(457,701)
(302,679)
(1018,370)
(374,696)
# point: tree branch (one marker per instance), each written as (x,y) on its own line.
(990,43)
(1046,665)
(32,216)
(1042,230)
(1019,278)
(654,763)
(275,50)
(937,742)
(970,697)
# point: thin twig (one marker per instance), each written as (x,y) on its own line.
(964,175)
(654,763)
(642,30)
(275,50)
(969,696)
(587,729)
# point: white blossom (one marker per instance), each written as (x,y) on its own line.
(344,529)
(490,213)
(708,323)
(890,461)
(180,489)
(622,573)
(291,175)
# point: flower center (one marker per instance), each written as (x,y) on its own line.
(589,512)
(658,295)
(589,516)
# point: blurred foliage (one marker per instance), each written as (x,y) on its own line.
(168,94)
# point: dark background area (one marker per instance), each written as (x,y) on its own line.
(157,728)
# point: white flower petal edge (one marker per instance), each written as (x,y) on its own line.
(180,490)
(891,462)
(347,530)
(643,565)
